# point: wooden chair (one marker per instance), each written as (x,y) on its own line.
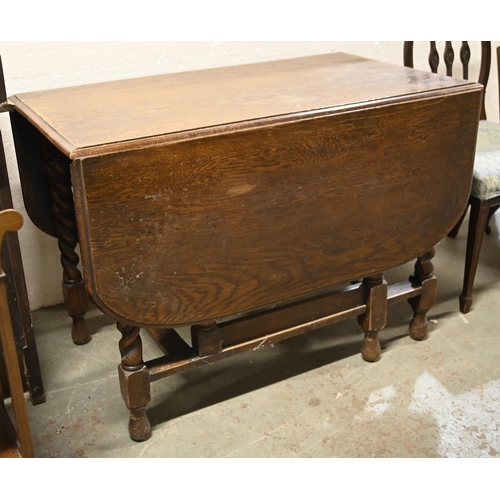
(485,191)
(22,323)
(10,220)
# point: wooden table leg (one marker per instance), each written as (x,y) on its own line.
(206,338)
(134,382)
(75,296)
(375,317)
(423,276)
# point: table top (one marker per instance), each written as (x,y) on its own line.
(221,192)
(104,116)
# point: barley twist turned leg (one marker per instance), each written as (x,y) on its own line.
(75,296)
(134,382)
(375,317)
(424,277)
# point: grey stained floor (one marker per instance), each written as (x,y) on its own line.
(309,396)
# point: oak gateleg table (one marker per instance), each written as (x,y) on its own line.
(251,203)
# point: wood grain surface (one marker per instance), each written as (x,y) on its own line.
(236,200)
(214,226)
(90,116)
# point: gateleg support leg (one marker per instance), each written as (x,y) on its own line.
(375,317)
(424,277)
(419,327)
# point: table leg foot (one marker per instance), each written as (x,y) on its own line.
(139,427)
(419,328)
(79,332)
(76,302)
(375,317)
(370,350)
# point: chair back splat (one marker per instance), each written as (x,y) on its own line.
(449,59)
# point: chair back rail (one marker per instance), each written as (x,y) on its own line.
(449,58)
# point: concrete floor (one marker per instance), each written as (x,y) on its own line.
(309,396)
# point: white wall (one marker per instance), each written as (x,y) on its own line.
(30,66)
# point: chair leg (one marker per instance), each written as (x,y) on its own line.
(477,225)
(490,215)
(456,227)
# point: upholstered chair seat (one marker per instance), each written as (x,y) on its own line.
(486,181)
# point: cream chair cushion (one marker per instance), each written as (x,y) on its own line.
(486,181)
